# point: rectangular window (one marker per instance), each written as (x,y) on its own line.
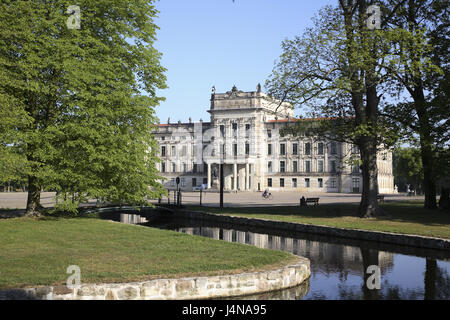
(307,166)
(205,167)
(234,125)
(282,149)
(294,182)
(319,165)
(183,151)
(222,131)
(282,166)
(205,180)
(333,148)
(247,130)
(174,167)
(282,182)
(174,151)
(294,148)
(320,148)
(320,182)
(355,168)
(294,166)
(333,183)
(163,167)
(269,166)
(355,184)
(269,182)
(308,148)
(247,149)
(183,182)
(184,167)
(163,151)
(235,150)
(172,182)
(333,166)
(307,184)
(269,149)
(269,133)
(194,167)
(194,182)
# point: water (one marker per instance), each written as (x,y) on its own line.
(338,265)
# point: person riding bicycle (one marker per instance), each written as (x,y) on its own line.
(266,193)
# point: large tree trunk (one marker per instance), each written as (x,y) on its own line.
(364,81)
(426,148)
(423,115)
(34,198)
(368,206)
(429,183)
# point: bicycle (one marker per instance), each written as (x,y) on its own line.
(267,195)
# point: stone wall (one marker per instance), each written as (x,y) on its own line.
(174,289)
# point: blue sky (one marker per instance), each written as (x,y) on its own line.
(221,43)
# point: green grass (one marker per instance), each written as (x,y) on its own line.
(38,252)
(406,217)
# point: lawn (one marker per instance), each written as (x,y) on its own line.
(407,217)
(38,252)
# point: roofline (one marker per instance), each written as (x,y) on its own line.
(178,124)
(306,119)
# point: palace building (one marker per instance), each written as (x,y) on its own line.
(244,135)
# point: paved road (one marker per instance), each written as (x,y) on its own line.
(17,200)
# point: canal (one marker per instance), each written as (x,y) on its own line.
(338,265)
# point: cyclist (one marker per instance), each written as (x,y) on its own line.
(266,193)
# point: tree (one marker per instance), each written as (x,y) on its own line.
(336,68)
(83,98)
(408,170)
(421,67)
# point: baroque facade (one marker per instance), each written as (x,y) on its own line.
(244,135)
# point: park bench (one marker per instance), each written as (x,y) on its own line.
(380,198)
(312,200)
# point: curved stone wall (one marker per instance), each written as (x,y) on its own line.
(174,289)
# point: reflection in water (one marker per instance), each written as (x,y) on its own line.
(132,218)
(337,269)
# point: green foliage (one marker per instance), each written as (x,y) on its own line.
(419,67)
(81,101)
(408,169)
(326,69)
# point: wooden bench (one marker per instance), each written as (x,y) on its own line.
(312,200)
(380,198)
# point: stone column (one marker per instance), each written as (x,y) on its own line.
(246,177)
(209,175)
(235,176)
